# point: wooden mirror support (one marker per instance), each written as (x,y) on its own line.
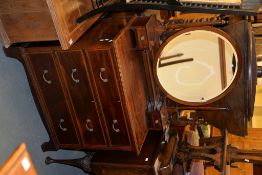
(234,107)
(198,65)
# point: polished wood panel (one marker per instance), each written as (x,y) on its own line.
(122,163)
(147,26)
(19,163)
(85,104)
(106,84)
(93,85)
(64,14)
(257,169)
(21,21)
(156,158)
(235,119)
(48,84)
(44,20)
(133,80)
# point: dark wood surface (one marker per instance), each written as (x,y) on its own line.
(86,94)
(95,96)
(106,83)
(101,89)
(146,43)
(257,169)
(235,119)
(73,70)
(51,97)
(156,157)
(123,163)
(133,78)
(232,109)
(124,157)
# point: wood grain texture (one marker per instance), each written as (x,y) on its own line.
(84,103)
(19,163)
(132,76)
(235,119)
(88,82)
(252,141)
(44,20)
(122,163)
(104,74)
(47,83)
(22,22)
(146,40)
(18,30)
(64,14)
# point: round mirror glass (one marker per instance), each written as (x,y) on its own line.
(197,65)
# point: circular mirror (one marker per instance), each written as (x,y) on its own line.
(197,65)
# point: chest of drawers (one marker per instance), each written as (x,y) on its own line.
(94,95)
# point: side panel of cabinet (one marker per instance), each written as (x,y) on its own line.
(73,69)
(133,82)
(106,84)
(50,95)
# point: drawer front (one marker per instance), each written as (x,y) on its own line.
(141,37)
(74,72)
(47,83)
(104,76)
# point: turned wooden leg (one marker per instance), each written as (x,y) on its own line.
(82,163)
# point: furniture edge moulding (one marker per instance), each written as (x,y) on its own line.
(120,81)
(131,58)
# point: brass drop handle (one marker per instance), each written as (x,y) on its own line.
(44,77)
(60,125)
(113,126)
(87,127)
(73,76)
(163,168)
(100,75)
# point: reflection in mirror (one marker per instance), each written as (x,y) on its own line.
(196,66)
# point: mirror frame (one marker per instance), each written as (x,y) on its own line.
(206,28)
